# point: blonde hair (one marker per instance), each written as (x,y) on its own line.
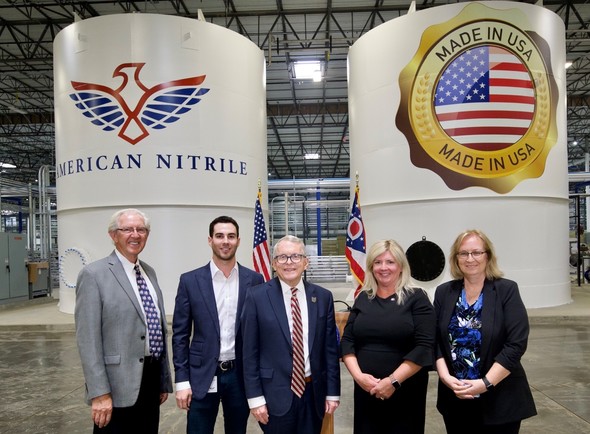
(492,269)
(402,289)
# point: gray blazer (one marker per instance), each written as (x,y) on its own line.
(111,331)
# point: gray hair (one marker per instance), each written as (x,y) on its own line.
(114,221)
(290,239)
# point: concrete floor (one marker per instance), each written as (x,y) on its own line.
(42,384)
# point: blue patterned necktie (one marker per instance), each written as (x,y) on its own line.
(151,316)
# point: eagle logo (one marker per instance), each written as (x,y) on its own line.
(154,108)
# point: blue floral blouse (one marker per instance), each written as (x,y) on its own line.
(465,338)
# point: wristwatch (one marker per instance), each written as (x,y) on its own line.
(489,386)
(396,384)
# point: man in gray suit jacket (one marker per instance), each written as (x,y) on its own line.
(208,305)
(124,361)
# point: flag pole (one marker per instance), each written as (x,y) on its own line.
(356,249)
(261,252)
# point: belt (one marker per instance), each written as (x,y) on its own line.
(150,360)
(307,379)
(226,365)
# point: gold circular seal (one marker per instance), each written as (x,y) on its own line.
(478,100)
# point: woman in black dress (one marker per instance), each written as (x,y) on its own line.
(387,346)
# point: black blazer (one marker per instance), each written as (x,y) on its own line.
(504,336)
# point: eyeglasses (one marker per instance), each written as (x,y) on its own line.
(295,258)
(475,254)
(129,231)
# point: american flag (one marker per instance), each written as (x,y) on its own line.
(356,245)
(261,253)
(485,99)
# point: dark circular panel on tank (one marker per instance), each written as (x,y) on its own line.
(427,260)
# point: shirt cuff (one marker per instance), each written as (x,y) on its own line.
(332,398)
(256,402)
(183,385)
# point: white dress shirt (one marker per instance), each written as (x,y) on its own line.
(129,268)
(226,292)
(301,298)
(226,298)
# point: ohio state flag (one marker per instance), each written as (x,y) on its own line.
(356,245)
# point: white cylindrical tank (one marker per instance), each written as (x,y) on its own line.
(458,121)
(161,113)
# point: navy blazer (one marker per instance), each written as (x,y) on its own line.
(268,354)
(195,312)
(504,337)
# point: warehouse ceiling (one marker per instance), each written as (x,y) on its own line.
(303,117)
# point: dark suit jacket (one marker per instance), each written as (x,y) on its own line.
(111,331)
(504,336)
(195,312)
(268,360)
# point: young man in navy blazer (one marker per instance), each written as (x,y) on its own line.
(208,305)
(267,324)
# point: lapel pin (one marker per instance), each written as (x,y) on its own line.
(313,299)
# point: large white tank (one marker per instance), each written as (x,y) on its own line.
(161,113)
(432,163)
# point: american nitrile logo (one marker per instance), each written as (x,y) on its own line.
(155,108)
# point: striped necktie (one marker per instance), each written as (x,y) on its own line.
(298,376)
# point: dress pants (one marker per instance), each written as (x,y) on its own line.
(470,418)
(144,416)
(301,418)
(202,413)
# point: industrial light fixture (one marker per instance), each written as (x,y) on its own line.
(568,64)
(7,166)
(308,69)
(311,156)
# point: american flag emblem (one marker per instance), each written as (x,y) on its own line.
(485,98)
(479,99)
(261,252)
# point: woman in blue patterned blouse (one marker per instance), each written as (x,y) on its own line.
(482,333)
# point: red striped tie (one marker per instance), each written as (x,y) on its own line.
(298,376)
